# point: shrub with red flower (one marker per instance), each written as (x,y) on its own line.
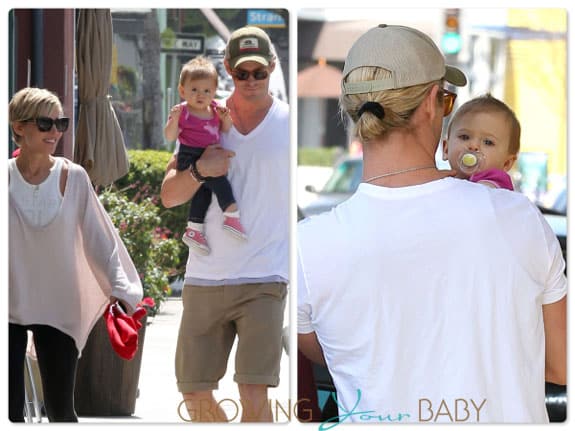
(154,254)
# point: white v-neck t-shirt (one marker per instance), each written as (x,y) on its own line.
(260,178)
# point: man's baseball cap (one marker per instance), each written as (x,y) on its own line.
(249,44)
(410,55)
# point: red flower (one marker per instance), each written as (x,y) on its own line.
(148,302)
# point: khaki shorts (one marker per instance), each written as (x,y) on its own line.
(212,317)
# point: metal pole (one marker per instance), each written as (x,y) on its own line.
(217,23)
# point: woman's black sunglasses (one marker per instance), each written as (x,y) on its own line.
(243,75)
(45,124)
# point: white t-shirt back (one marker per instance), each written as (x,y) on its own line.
(429,294)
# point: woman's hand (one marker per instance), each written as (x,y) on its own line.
(121,303)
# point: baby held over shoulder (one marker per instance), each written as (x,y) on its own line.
(483,140)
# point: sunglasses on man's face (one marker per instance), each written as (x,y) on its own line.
(44,124)
(244,75)
(448,102)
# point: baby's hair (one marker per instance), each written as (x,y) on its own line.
(198,68)
(397,106)
(488,103)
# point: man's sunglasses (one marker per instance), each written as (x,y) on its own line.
(45,124)
(448,102)
(244,75)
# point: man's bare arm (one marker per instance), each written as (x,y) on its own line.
(555,323)
(310,347)
(179,187)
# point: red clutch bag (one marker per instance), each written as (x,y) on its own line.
(123,329)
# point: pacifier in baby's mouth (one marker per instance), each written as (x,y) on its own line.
(470,162)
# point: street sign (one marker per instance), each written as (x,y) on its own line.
(185,43)
(195,44)
(265,19)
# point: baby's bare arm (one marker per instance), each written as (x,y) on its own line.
(225,118)
(171,128)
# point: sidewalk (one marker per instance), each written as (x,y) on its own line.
(158,398)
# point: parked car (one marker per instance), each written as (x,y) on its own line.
(556,216)
(560,204)
(340,186)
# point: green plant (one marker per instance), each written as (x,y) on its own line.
(144,181)
(155,256)
(127,82)
(320,156)
(168,38)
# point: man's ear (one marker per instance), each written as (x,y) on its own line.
(272,66)
(429,105)
(434,106)
(228,68)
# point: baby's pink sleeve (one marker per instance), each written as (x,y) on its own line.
(497,177)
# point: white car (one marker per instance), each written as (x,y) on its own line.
(342,183)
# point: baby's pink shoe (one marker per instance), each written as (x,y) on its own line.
(195,239)
(233,225)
